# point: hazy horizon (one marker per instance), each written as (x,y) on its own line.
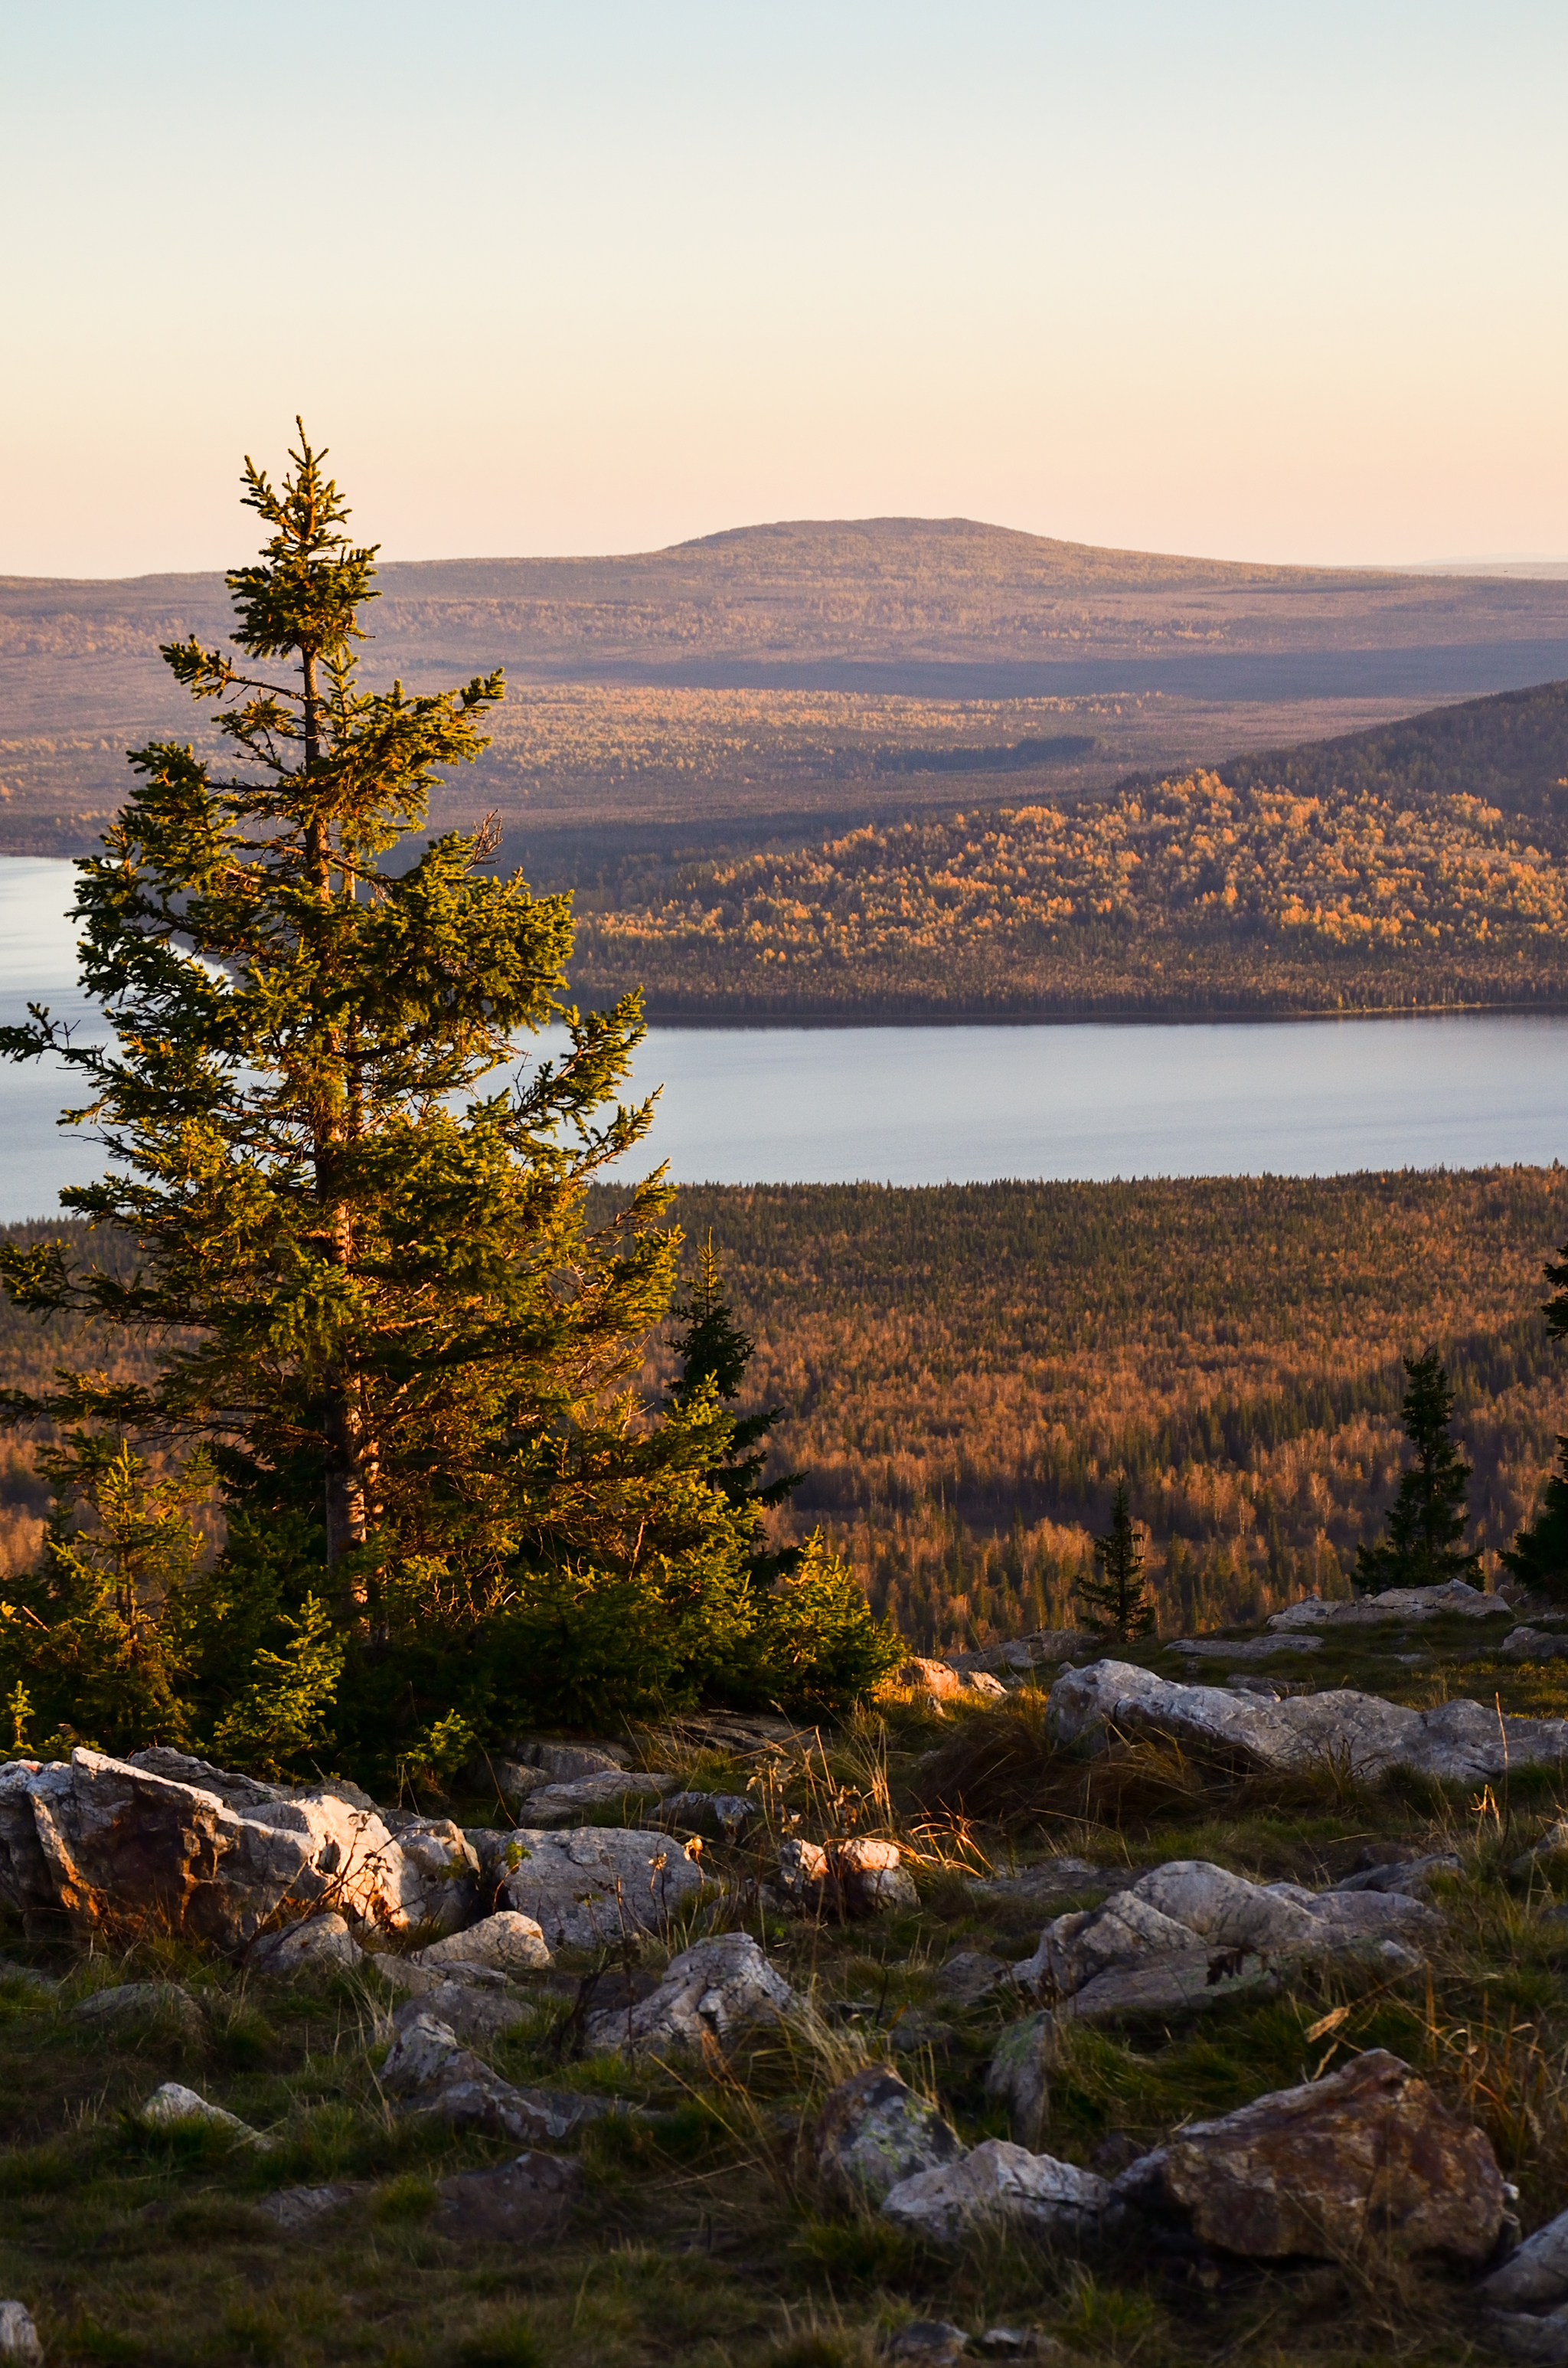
(1188,279)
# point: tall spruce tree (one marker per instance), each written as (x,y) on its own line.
(1539,1555)
(1427,1523)
(363,1257)
(1115,1601)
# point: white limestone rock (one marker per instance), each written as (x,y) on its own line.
(1536,2273)
(167,2002)
(1460,1741)
(320,1945)
(1189,1933)
(19,2339)
(504,1944)
(176,2107)
(998,2182)
(598,1884)
(1395,1603)
(711,1991)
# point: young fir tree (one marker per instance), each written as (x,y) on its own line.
(1115,1602)
(362,1247)
(1539,1555)
(714,1354)
(1423,1546)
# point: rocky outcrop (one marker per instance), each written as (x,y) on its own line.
(1534,1644)
(165,2002)
(717,1817)
(503,1943)
(162,1842)
(1188,1934)
(573,1802)
(428,2071)
(874,2133)
(174,2107)
(19,2339)
(1023,1654)
(1367,2153)
(598,1884)
(1000,2182)
(320,1945)
(710,1992)
(858,1877)
(1460,1741)
(1455,1600)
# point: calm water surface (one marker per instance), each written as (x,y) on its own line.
(939,1105)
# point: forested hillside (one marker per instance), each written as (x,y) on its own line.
(964,1369)
(1413,865)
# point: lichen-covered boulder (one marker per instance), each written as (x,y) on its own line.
(1367,2153)
(874,2130)
(710,1992)
(598,1884)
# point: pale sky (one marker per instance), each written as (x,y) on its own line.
(1253,280)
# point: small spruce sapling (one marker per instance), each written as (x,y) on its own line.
(1115,1602)
(1427,1523)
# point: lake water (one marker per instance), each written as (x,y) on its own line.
(940,1105)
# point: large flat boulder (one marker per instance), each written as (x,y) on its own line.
(1190,1934)
(1461,1741)
(159,1841)
(1453,1600)
(998,2182)
(595,1885)
(1367,2154)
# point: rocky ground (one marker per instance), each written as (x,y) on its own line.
(1201,2003)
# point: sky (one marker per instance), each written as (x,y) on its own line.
(1244,280)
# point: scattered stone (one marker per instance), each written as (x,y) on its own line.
(146,2002)
(1411,1877)
(803,1873)
(972,1974)
(19,2339)
(427,2067)
(598,1884)
(293,2208)
(997,2180)
(473,1999)
(1317,2170)
(28,1975)
(506,1943)
(1537,2273)
(1188,1934)
(921,1675)
(562,1763)
(573,1803)
(719,1817)
(1393,1603)
(1022,1653)
(1018,2075)
(990,1689)
(1019,2343)
(874,2131)
(530,2198)
(913,2032)
(710,1992)
(160,1839)
(872,1877)
(320,1945)
(858,1877)
(1038,1886)
(1463,1741)
(174,2107)
(1553,1844)
(934,2340)
(1251,1648)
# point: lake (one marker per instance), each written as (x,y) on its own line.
(966,1105)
